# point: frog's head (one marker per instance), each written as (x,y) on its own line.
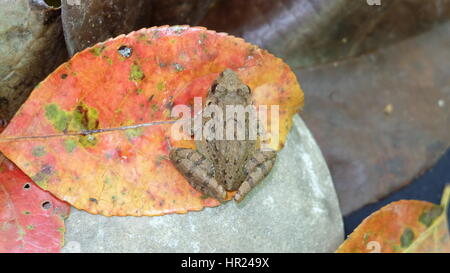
(229,82)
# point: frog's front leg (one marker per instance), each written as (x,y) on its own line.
(256,169)
(198,170)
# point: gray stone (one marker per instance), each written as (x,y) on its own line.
(31,46)
(295,209)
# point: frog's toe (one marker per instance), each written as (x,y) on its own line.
(198,171)
(212,188)
(257,168)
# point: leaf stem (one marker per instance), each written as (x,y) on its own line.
(89,132)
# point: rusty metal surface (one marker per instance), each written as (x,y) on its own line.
(383,118)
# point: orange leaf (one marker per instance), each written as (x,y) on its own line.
(131,80)
(403,226)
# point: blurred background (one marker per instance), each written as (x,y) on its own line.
(376,75)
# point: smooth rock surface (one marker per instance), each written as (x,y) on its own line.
(295,209)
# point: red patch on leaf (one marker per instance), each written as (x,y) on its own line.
(31,220)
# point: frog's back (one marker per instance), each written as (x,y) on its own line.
(229,155)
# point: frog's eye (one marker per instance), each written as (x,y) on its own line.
(213,88)
(245,90)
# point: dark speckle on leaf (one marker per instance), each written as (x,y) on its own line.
(63,76)
(407,238)
(178,67)
(47,169)
(136,73)
(169,105)
(125,51)
(204,196)
(427,218)
(46,205)
(38,151)
(43,175)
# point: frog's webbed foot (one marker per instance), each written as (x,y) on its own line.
(257,168)
(198,170)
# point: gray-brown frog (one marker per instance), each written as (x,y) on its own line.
(218,166)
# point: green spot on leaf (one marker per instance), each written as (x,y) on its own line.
(203,36)
(41,178)
(136,74)
(26,212)
(160,86)
(20,232)
(39,151)
(82,118)
(366,237)
(87,141)
(142,37)
(407,238)
(97,51)
(108,60)
(58,118)
(70,145)
(42,183)
(397,248)
(30,227)
(134,133)
(427,217)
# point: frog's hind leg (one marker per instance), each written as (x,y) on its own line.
(257,168)
(198,170)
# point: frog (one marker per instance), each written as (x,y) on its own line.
(218,166)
